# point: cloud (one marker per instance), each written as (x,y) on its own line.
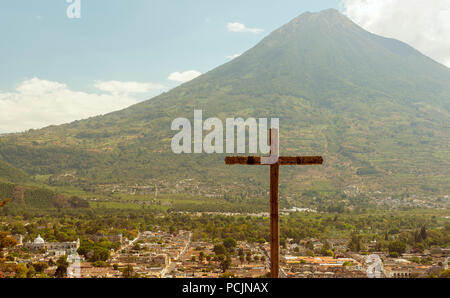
(233,56)
(38,103)
(424,25)
(117,87)
(184,76)
(238,27)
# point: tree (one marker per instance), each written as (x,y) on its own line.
(417,237)
(100,264)
(18,228)
(76,202)
(225,264)
(355,243)
(394,254)
(329,253)
(248,257)
(4,202)
(326,250)
(229,243)
(21,271)
(423,233)
(242,259)
(445,274)
(219,249)
(40,266)
(96,252)
(31,272)
(128,272)
(398,247)
(380,245)
(61,270)
(241,251)
(261,241)
(6,241)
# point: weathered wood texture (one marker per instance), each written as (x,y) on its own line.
(274,222)
(282,161)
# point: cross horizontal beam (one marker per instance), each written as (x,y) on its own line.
(282,160)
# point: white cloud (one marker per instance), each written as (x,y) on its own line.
(117,87)
(38,103)
(424,25)
(184,76)
(238,27)
(233,56)
(38,87)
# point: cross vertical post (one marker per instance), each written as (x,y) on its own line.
(274,212)
(274,222)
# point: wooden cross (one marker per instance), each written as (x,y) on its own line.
(274,160)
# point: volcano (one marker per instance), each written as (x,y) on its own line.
(374,107)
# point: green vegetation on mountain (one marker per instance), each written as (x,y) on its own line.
(11,174)
(375,108)
(33,197)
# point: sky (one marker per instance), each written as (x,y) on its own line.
(55,69)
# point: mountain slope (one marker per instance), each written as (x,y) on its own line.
(11,174)
(375,108)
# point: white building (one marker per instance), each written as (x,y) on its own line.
(56,248)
